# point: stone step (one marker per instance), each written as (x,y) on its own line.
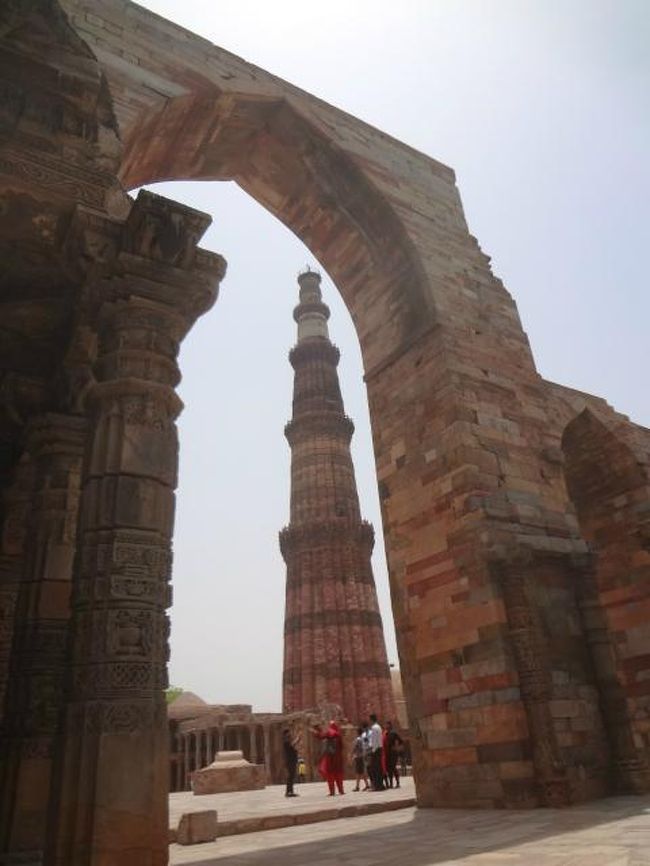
(295,816)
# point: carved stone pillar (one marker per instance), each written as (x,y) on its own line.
(222,740)
(116,720)
(253,742)
(111,804)
(114,772)
(630,768)
(16,502)
(35,695)
(534,682)
(186,763)
(210,747)
(197,750)
(267,753)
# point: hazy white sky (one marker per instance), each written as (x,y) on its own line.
(541,107)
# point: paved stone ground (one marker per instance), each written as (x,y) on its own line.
(256,810)
(612,832)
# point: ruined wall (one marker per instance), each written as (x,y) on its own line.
(484,546)
(523,655)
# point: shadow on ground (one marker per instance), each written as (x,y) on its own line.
(596,831)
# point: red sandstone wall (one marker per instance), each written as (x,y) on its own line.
(485,549)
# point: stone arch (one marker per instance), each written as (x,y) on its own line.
(609,489)
(599,462)
(272,151)
(475,512)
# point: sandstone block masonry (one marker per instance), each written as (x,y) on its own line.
(228,772)
(516,512)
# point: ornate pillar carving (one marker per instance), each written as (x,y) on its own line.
(116,717)
(35,695)
(16,502)
(113,782)
(630,767)
(534,680)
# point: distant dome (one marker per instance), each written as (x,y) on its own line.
(186,706)
(189,699)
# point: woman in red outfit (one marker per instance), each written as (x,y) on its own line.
(330,765)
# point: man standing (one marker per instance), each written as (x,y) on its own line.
(394,746)
(290,761)
(376,772)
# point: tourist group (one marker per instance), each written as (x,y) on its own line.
(376,753)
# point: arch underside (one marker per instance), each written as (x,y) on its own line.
(316,190)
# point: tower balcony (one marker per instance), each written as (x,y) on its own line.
(309,536)
(315,349)
(319,424)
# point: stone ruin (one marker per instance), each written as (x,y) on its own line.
(229,771)
(516,511)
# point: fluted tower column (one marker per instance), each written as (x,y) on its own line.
(334,649)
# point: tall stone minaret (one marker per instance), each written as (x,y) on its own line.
(334,649)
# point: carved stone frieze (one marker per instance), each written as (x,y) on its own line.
(117,717)
(310,536)
(131,632)
(54,176)
(124,566)
(164,231)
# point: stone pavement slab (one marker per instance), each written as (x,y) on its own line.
(612,832)
(251,811)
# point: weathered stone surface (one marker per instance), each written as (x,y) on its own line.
(525,659)
(39,660)
(197,827)
(228,772)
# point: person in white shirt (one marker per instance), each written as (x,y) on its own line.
(376,770)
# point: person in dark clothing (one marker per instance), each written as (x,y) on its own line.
(394,745)
(290,761)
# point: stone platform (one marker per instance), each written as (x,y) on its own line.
(254,811)
(229,772)
(612,832)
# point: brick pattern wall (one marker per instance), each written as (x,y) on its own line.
(610,488)
(334,643)
(488,564)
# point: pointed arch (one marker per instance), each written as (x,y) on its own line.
(286,163)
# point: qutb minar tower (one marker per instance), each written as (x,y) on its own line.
(334,649)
